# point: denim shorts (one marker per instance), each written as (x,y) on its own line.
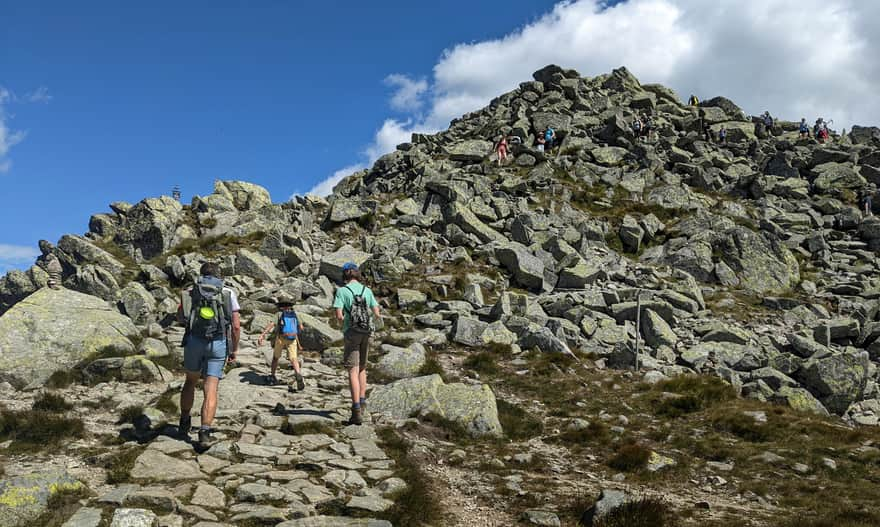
(205,356)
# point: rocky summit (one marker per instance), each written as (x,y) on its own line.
(673,328)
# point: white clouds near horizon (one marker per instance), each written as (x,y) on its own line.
(16,256)
(807,58)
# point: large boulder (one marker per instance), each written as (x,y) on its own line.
(24,498)
(470,151)
(54,330)
(472,407)
(243,195)
(331,264)
(761,264)
(317,335)
(137,303)
(149,228)
(526,268)
(402,363)
(348,209)
(19,284)
(836,380)
(255,265)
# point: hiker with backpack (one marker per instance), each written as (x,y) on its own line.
(356,306)
(549,138)
(804,129)
(209,312)
(285,336)
(722,135)
(693,101)
(767,120)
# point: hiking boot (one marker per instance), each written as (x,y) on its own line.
(271,380)
(206,437)
(184,425)
(300,383)
(355,416)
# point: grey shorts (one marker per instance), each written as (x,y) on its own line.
(355,351)
(205,356)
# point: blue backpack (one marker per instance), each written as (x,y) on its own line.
(548,135)
(288,325)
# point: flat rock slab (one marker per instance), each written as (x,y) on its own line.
(134,518)
(23,498)
(84,517)
(156,466)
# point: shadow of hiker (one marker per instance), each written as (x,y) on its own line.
(252,377)
(281,410)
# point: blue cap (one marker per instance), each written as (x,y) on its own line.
(348,266)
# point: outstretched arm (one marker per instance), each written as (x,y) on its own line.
(236,333)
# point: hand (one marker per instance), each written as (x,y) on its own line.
(260,341)
(231,357)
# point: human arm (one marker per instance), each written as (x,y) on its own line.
(269,328)
(236,334)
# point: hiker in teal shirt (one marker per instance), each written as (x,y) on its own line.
(357,333)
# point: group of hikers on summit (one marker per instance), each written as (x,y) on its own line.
(209,311)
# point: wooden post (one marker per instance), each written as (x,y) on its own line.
(827,335)
(638,324)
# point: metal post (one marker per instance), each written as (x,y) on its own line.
(638,324)
(827,335)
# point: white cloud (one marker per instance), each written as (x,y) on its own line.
(325,188)
(408,92)
(8,137)
(40,95)
(16,256)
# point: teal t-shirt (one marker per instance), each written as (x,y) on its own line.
(345,297)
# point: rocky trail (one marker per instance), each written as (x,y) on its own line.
(665,327)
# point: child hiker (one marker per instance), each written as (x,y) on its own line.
(285,335)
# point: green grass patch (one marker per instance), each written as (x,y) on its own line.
(694,393)
(516,422)
(35,430)
(119,465)
(51,402)
(483,362)
(417,505)
(596,433)
(432,367)
(630,458)
(646,512)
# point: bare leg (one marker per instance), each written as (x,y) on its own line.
(188,392)
(209,406)
(362,381)
(354,382)
(274,365)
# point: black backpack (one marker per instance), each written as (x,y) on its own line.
(359,314)
(205,309)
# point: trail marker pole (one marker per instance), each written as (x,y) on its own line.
(638,324)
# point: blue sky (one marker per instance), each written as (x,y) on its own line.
(106,101)
(137,100)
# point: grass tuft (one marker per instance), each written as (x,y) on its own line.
(119,465)
(630,458)
(695,393)
(483,362)
(417,505)
(130,414)
(646,512)
(34,430)
(516,422)
(51,402)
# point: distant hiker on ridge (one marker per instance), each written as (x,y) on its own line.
(693,101)
(804,129)
(549,138)
(501,150)
(355,307)
(209,311)
(767,120)
(285,337)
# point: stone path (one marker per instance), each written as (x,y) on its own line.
(285,459)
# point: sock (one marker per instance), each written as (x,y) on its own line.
(205,428)
(363,400)
(356,406)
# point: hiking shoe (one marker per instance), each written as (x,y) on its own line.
(271,380)
(206,437)
(355,416)
(184,425)
(300,383)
